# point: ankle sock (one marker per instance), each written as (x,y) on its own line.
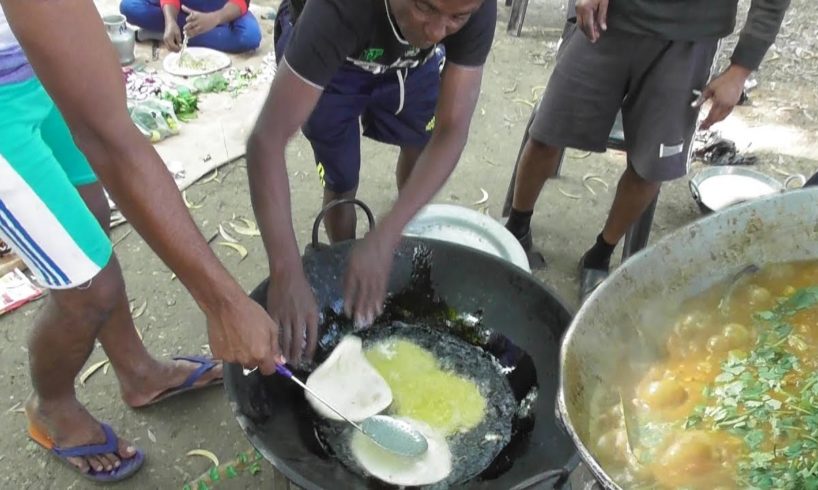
(519,222)
(599,256)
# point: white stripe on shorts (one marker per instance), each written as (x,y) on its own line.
(35,234)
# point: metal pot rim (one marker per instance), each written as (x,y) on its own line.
(708,173)
(563,412)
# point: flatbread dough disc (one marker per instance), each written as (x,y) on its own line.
(348,382)
(432,467)
(206,61)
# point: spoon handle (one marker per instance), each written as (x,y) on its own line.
(283,371)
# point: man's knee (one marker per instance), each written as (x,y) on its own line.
(338,184)
(94,302)
(642,176)
(134,10)
(249,37)
(250,41)
(538,149)
(538,145)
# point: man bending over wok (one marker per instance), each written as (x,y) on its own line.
(372,63)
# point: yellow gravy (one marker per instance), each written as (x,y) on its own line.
(734,402)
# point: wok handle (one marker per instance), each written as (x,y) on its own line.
(694,190)
(369,216)
(794,178)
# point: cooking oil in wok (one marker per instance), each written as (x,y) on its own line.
(423,391)
(444,382)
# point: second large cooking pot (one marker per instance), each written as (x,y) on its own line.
(619,320)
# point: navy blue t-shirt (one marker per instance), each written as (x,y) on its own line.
(328,33)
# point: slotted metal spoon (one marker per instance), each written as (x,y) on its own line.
(396,436)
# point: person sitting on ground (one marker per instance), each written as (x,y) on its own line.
(55,215)
(651,60)
(223,25)
(347,64)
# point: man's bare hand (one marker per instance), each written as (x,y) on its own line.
(173,36)
(244,333)
(367,278)
(199,22)
(292,305)
(592,17)
(723,93)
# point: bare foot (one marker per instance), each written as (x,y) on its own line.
(68,424)
(143,390)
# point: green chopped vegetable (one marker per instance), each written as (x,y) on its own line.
(185,103)
(768,400)
(212,84)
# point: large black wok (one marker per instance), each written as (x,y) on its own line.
(511,303)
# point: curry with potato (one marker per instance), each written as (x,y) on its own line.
(733,401)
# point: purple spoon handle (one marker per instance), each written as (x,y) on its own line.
(282,370)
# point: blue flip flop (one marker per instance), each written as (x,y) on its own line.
(128,467)
(205,365)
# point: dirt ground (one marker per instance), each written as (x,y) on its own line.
(782,130)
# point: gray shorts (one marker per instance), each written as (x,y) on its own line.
(651,80)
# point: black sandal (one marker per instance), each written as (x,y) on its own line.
(589,279)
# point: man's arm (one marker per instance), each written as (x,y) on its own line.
(459,91)
(290,300)
(171,11)
(92,100)
(759,33)
(201,22)
(231,11)
(763,23)
(368,273)
(172,35)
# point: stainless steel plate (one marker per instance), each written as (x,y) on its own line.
(458,224)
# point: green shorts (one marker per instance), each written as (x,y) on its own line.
(42,215)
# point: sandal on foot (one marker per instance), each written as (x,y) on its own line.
(128,466)
(205,365)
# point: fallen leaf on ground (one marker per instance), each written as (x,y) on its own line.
(526,102)
(204,453)
(593,178)
(91,370)
(212,177)
(140,310)
(484,199)
(227,236)
(248,229)
(568,194)
(237,247)
(191,205)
